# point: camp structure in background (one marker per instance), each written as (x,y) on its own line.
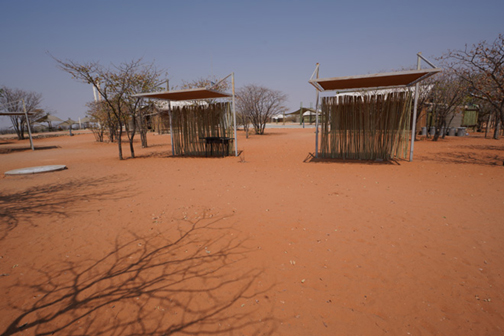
(68,123)
(204,127)
(372,124)
(49,119)
(4,111)
(84,122)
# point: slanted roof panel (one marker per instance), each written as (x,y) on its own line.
(190,94)
(380,80)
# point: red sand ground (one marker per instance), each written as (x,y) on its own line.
(265,244)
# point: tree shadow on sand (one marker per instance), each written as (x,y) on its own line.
(9,150)
(485,147)
(183,280)
(54,199)
(168,155)
(161,154)
(475,158)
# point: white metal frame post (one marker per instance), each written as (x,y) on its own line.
(28,125)
(233,107)
(234,114)
(316,114)
(170,116)
(415,107)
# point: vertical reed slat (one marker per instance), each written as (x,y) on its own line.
(367,126)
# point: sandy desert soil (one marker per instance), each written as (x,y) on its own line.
(270,243)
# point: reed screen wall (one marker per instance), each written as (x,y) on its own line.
(193,122)
(366,126)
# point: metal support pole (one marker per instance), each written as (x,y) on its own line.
(28,124)
(170,116)
(301,114)
(316,117)
(171,128)
(415,107)
(234,114)
(426,60)
(94,94)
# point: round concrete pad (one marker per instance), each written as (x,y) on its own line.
(35,170)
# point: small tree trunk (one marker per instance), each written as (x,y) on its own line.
(488,125)
(143,137)
(131,134)
(119,141)
(447,126)
(112,132)
(497,129)
(257,129)
(143,132)
(20,130)
(132,149)
(436,131)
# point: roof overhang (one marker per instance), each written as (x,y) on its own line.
(373,81)
(189,94)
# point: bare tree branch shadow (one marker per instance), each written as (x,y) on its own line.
(54,200)
(22,149)
(184,280)
(476,158)
(169,155)
(158,145)
(484,147)
(160,154)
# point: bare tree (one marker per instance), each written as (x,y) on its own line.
(485,115)
(482,67)
(11,100)
(116,85)
(243,119)
(103,120)
(259,104)
(208,82)
(448,94)
(144,79)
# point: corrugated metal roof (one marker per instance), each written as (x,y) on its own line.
(189,94)
(380,80)
(304,109)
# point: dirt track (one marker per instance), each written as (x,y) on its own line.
(265,244)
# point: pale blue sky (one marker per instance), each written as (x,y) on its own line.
(270,43)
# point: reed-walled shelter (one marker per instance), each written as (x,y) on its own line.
(373,124)
(204,127)
(366,126)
